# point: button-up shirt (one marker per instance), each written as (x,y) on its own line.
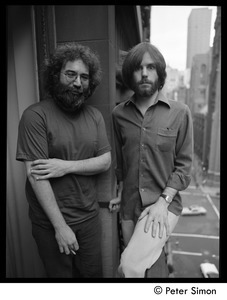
(153,151)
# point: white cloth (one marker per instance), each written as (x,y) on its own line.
(143,250)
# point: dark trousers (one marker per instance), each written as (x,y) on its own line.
(87,261)
(159,268)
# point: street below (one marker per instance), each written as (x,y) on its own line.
(195,239)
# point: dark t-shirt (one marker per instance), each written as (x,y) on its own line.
(45,131)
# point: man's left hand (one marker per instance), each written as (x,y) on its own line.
(48,168)
(157,218)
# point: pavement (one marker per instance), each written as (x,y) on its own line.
(195,239)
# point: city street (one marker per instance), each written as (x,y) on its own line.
(196,238)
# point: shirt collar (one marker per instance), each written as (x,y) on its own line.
(160,97)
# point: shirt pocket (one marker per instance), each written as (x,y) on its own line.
(166,139)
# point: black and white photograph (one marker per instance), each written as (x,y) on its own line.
(113,145)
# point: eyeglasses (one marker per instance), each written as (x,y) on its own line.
(72,76)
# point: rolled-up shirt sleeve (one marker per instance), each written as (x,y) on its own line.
(181,176)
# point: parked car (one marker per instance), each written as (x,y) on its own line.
(209,270)
(193,210)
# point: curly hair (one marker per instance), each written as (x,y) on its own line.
(134,58)
(71,52)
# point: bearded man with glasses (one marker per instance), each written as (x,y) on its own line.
(63,142)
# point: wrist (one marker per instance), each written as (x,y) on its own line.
(119,197)
(163,202)
(168,199)
(70,167)
(60,225)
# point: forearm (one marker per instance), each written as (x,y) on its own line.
(90,166)
(65,237)
(46,198)
(54,167)
(119,189)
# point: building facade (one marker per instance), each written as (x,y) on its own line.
(211,150)
(207,116)
(199,81)
(199,27)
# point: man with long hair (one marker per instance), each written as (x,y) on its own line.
(154,147)
(63,142)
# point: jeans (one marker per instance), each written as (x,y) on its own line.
(159,269)
(144,255)
(87,262)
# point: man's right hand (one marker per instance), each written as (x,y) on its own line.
(66,240)
(114,204)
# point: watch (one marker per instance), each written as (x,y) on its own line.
(167,198)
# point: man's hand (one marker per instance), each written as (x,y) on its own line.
(114,204)
(66,240)
(54,167)
(48,168)
(157,218)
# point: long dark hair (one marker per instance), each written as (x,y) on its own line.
(134,58)
(70,52)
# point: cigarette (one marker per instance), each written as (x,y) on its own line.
(73,252)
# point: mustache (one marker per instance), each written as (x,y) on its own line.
(68,91)
(72,90)
(75,92)
(145,81)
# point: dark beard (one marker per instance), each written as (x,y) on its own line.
(70,99)
(146,93)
